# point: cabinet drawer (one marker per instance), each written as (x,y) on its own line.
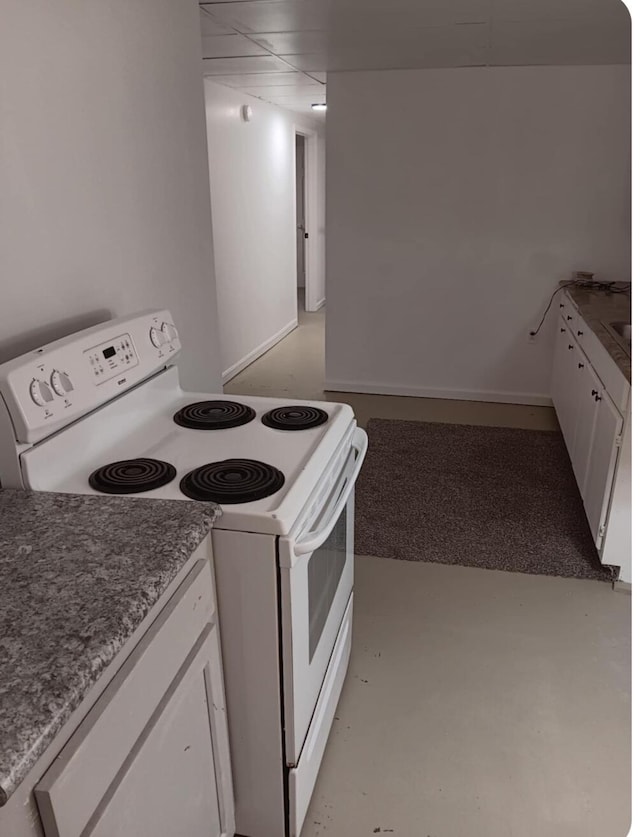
(78,779)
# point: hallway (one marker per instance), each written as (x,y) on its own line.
(293,368)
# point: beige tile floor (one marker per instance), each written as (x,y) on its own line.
(478,703)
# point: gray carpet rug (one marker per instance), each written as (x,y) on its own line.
(493,497)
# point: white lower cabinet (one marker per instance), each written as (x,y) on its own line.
(594,428)
(151,758)
(605,446)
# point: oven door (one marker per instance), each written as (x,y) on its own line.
(316,583)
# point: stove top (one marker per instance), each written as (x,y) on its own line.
(102,411)
(140,427)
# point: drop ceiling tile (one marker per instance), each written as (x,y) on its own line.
(413,39)
(254,64)
(209,26)
(558,9)
(442,46)
(292,79)
(559,42)
(286,90)
(293,43)
(272,15)
(373,16)
(309,63)
(229,46)
(363,59)
(306,97)
(319,76)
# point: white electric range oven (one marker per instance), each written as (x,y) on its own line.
(102,411)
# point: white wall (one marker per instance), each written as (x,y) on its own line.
(252,167)
(104,202)
(456,200)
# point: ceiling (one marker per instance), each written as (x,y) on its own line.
(281,50)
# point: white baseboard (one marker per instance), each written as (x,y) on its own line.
(254,354)
(319,304)
(499,397)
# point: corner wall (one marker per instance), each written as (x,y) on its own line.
(104,198)
(456,200)
(252,169)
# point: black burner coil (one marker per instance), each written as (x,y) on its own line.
(214,415)
(131,476)
(232,481)
(295,417)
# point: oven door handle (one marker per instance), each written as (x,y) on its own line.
(316,537)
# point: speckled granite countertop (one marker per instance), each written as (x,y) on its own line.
(78,574)
(596,306)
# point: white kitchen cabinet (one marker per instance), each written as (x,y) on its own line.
(168,784)
(588,396)
(151,758)
(607,436)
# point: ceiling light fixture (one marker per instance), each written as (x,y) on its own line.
(319,106)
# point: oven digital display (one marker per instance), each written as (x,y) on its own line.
(110,352)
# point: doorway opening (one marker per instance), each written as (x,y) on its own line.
(302,236)
(309,231)
(293,366)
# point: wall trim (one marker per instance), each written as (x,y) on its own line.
(318,305)
(496,396)
(254,354)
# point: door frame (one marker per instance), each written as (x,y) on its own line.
(313,296)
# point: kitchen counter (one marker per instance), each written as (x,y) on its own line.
(78,574)
(595,306)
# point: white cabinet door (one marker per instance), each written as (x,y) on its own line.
(564,382)
(168,784)
(602,463)
(586,409)
(175,779)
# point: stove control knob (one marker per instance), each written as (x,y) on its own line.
(157,337)
(169,331)
(61,382)
(40,392)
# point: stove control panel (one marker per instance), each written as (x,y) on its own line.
(54,385)
(111,358)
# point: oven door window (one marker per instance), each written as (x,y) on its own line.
(323,577)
